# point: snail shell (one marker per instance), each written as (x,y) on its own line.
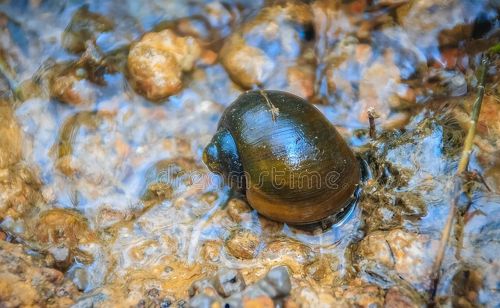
(292,163)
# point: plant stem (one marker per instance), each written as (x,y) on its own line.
(476,109)
(457,187)
(372,115)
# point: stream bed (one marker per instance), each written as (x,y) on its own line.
(106,107)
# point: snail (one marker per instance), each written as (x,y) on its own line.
(288,159)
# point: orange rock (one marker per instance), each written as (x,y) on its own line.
(259,302)
(301,81)
(399,298)
(210,251)
(208,57)
(250,63)
(61,226)
(488,125)
(243,244)
(290,304)
(154,72)
(52,275)
(407,94)
(239,210)
(357,7)
(360,294)
(452,58)
(363,53)
(235,57)
(364,30)
(122,148)
(71,90)
(157,61)
(10,137)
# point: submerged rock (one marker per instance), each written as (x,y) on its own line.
(243,244)
(167,178)
(236,59)
(71,89)
(265,50)
(360,294)
(227,282)
(431,30)
(202,301)
(25,282)
(10,137)
(269,291)
(157,62)
(276,283)
(290,252)
(60,232)
(466,287)
(239,211)
(110,162)
(19,193)
(60,226)
(323,270)
(405,252)
(399,297)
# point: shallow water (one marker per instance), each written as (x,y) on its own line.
(407,59)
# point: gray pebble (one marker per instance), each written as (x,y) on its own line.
(228,282)
(277,282)
(201,287)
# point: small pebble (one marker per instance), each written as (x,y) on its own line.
(80,278)
(259,302)
(277,282)
(239,210)
(243,244)
(203,286)
(228,282)
(398,298)
(202,301)
(156,63)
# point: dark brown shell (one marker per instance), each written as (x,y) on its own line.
(297,167)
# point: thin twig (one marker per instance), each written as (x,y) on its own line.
(443,243)
(476,176)
(476,109)
(372,115)
(457,187)
(482,180)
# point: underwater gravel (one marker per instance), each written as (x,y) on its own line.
(108,202)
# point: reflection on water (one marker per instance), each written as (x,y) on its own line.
(94,147)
